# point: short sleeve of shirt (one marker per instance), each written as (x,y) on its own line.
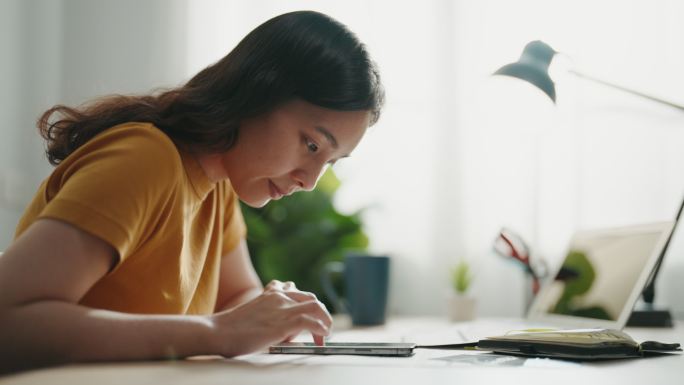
(116,185)
(234,223)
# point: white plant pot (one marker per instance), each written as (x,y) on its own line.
(461,308)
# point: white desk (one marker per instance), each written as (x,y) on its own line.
(425,367)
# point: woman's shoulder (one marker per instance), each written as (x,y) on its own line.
(136,141)
(132,148)
(139,134)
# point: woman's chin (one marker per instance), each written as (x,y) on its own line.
(256,203)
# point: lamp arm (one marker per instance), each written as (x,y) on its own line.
(649,290)
(628,90)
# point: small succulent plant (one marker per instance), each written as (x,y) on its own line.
(461,277)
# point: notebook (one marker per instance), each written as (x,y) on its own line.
(575,344)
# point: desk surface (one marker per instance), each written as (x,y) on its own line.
(426,366)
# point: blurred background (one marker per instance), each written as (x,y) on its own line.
(456,155)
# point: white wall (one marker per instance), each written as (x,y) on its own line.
(30,74)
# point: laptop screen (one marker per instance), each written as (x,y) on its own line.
(603,272)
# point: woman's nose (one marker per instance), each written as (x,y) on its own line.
(308,177)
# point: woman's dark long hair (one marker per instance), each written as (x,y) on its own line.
(299,55)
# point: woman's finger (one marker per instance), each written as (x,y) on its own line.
(300,296)
(318,340)
(289,338)
(312,308)
(306,322)
(274,285)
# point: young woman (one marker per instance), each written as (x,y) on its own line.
(133,248)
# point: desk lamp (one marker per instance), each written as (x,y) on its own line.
(533,67)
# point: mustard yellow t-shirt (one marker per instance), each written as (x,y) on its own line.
(132,187)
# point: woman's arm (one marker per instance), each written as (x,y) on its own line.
(238,282)
(42,277)
(52,265)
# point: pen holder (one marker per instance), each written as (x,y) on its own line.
(366,281)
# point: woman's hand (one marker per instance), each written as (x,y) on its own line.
(279,314)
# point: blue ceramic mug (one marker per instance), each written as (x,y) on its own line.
(366,281)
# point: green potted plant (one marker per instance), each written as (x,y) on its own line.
(461,306)
(293,238)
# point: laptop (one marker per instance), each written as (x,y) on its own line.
(595,286)
(601,277)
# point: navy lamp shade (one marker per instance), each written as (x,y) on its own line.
(533,67)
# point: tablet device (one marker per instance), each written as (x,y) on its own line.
(397,349)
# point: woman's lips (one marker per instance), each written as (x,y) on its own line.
(274,191)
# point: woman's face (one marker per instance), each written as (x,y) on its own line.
(288,149)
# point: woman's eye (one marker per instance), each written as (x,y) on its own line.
(313,147)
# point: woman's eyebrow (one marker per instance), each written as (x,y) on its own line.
(328,136)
